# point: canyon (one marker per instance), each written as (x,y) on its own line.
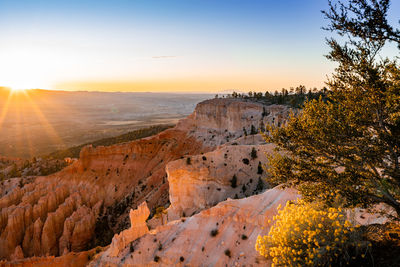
(203,171)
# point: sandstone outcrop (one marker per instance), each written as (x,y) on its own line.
(205,238)
(138,228)
(35,221)
(18,254)
(72,259)
(9,185)
(218,121)
(232,171)
(56,214)
(62,212)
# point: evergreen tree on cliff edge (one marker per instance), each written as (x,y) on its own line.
(349,144)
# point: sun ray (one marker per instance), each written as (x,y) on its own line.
(47,126)
(56,105)
(4,110)
(28,140)
(27,136)
(18,139)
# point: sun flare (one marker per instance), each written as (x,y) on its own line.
(16,89)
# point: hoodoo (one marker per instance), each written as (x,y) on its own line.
(88,202)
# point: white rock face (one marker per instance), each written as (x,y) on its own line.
(218,121)
(189,242)
(138,228)
(228,172)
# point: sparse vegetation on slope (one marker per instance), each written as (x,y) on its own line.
(73,152)
(11,168)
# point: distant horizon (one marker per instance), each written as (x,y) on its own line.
(222,92)
(168,46)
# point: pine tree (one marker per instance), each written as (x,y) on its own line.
(253,153)
(349,143)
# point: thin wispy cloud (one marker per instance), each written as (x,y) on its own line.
(164,57)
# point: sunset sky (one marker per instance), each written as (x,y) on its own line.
(164,45)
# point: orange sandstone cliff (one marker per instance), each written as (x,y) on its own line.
(88,202)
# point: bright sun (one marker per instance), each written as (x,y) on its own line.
(19,84)
(15,89)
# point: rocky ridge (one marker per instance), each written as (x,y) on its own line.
(69,210)
(231,171)
(223,235)
(219,121)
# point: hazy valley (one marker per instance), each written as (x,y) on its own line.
(39,122)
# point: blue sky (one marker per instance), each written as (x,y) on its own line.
(169,45)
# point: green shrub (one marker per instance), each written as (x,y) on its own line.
(259,168)
(214,232)
(253,130)
(234,181)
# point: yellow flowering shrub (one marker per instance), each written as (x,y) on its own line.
(307,234)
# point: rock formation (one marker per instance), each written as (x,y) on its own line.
(219,236)
(37,219)
(72,259)
(218,121)
(56,214)
(16,171)
(138,229)
(66,211)
(228,172)
(210,168)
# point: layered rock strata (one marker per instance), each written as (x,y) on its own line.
(218,121)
